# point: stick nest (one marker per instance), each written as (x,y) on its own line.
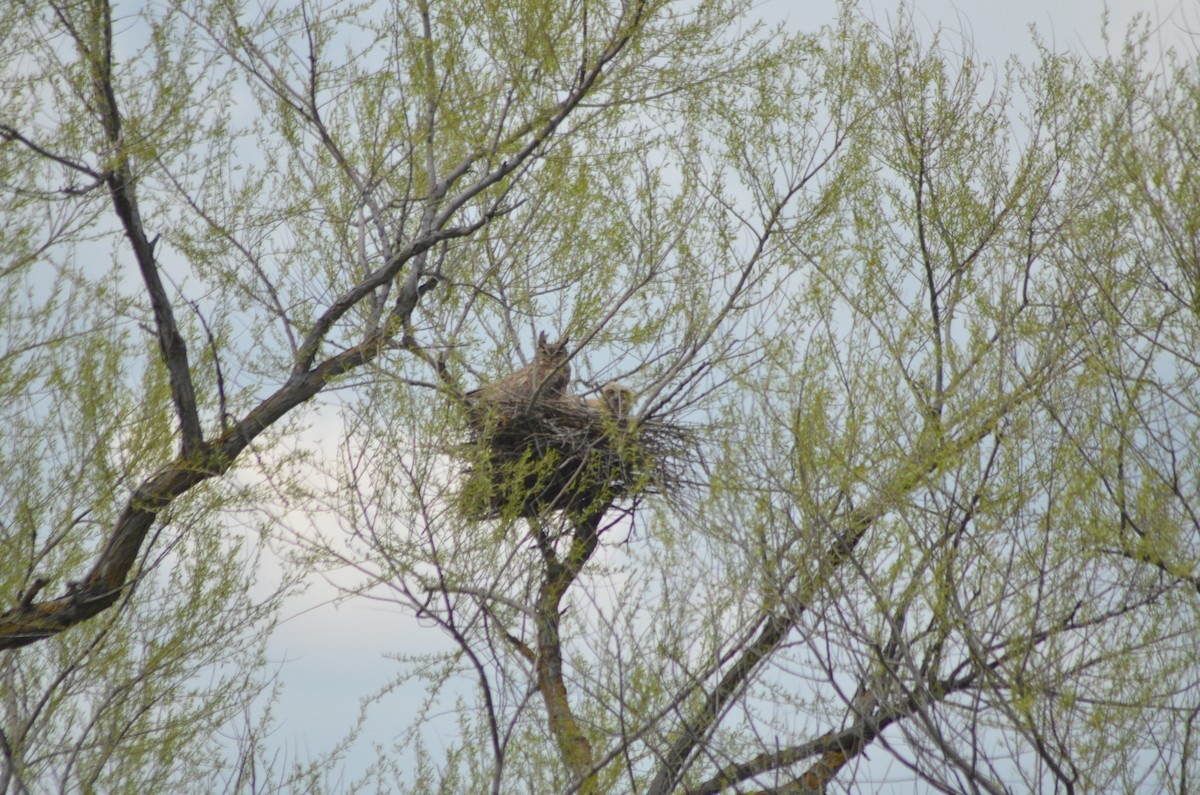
(560,454)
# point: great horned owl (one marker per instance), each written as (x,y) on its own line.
(618,398)
(546,377)
(615,401)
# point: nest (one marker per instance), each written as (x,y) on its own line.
(563,455)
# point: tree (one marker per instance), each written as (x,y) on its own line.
(923,332)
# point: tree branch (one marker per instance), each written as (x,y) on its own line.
(575,748)
(33,621)
(120,181)
(11,134)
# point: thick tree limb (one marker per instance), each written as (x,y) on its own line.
(575,748)
(171,344)
(834,749)
(120,181)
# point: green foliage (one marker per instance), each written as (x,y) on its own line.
(927,328)
(137,701)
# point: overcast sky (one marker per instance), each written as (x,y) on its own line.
(1000,28)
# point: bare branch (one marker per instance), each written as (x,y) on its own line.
(8,133)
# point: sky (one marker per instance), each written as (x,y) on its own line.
(333,655)
(1002,29)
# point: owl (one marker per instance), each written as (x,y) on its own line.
(615,401)
(546,377)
